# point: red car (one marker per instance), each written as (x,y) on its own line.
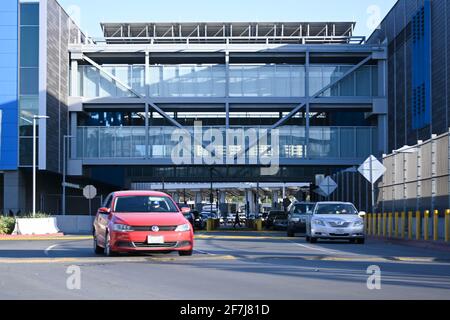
(141,221)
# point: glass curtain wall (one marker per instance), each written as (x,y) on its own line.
(269,80)
(29,77)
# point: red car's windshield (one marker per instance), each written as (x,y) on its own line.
(144,204)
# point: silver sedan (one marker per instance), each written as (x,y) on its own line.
(335,220)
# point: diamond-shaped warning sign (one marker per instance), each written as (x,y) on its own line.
(372,169)
(327,186)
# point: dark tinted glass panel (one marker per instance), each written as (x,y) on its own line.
(29,46)
(29,81)
(29,14)
(26,151)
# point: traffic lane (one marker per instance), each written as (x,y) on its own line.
(372,248)
(46,248)
(247,277)
(220,279)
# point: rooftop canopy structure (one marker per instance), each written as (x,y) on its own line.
(234,32)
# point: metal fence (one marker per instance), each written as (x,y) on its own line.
(417,177)
(75,205)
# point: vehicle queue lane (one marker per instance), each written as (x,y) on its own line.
(223,267)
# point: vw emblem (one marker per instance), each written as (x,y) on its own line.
(155,228)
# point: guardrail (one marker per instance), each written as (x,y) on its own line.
(424,225)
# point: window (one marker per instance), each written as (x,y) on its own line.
(29,81)
(144,204)
(29,14)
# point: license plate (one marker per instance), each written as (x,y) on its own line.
(339,231)
(155,240)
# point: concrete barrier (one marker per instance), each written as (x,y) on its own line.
(75,224)
(35,226)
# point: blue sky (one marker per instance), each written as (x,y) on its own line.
(89,13)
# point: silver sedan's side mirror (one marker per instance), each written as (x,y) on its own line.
(362,213)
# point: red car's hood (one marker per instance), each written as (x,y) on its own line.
(149,219)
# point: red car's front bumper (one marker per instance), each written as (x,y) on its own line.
(138,241)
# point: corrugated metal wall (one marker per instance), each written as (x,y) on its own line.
(417,179)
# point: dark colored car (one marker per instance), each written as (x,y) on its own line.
(187,213)
(280,222)
(297,217)
(273,215)
(199,221)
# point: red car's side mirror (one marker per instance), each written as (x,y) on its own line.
(104,210)
(185,210)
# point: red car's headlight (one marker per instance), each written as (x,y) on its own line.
(183,227)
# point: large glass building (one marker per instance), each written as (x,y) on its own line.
(114,103)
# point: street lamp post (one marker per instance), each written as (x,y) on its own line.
(35,118)
(64,173)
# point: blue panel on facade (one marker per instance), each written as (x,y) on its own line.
(421,67)
(9,85)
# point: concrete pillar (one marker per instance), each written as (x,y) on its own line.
(14,192)
(223,207)
(198,200)
(250,197)
(274,199)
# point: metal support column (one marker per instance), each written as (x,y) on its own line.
(307,94)
(227,89)
(147,93)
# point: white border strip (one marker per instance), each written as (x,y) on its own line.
(42,83)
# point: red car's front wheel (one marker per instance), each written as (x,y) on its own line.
(185,253)
(108,250)
(97,248)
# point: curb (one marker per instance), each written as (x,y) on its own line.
(440,245)
(29,236)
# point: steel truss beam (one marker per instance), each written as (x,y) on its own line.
(309,98)
(143,98)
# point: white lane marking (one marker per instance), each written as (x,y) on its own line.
(314,248)
(50,248)
(203,252)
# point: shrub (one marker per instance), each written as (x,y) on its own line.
(37,216)
(7,225)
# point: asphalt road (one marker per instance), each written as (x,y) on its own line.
(224,266)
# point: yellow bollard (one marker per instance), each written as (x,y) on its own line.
(436,225)
(418,233)
(259,225)
(384,224)
(410,224)
(447,225)
(390,224)
(369,223)
(208,225)
(403,224)
(374,224)
(425,224)
(379,224)
(396,224)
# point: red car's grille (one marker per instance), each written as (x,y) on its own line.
(149,228)
(155,245)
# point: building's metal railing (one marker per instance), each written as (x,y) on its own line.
(357,40)
(130,142)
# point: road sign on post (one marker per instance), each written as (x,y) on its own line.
(89,192)
(372,170)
